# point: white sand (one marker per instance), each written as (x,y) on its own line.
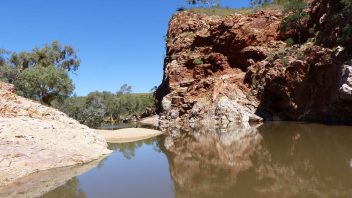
(128,135)
(151,121)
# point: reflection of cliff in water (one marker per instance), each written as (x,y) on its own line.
(305,160)
(274,160)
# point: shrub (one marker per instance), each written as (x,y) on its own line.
(300,55)
(169,40)
(346,34)
(296,8)
(290,42)
(197,61)
(180,9)
(284,61)
(254,82)
(190,35)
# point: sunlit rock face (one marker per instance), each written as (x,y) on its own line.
(238,69)
(273,160)
(34,137)
(205,66)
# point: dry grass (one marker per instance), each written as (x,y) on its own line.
(219,11)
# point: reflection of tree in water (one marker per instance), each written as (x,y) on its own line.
(69,190)
(275,160)
(128,149)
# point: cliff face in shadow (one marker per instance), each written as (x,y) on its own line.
(237,69)
(273,160)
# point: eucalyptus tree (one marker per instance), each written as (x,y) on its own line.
(94,112)
(42,73)
(44,84)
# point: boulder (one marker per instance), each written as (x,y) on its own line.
(34,137)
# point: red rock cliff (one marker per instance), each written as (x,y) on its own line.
(235,69)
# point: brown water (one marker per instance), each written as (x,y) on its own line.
(274,160)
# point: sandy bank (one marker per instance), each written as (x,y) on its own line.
(128,135)
(151,121)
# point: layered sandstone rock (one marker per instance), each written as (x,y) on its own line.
(34,137)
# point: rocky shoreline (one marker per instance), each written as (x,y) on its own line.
(34,137)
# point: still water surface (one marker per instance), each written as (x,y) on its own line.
(273,160)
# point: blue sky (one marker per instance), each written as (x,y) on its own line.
(118,41)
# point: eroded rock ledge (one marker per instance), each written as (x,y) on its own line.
(222,71)
(34,137)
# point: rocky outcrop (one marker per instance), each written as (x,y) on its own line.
(330,20)
(221,71)
(207,59)
(305,83)
(34,137)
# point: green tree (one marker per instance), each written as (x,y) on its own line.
(124,89)
(209,3)
(296,8)
(44,83)
(54,54)
(94,112)
(7,73)
(98,107)
(347,3)
(259,2)
(73,106)
(40,74)
(346,33)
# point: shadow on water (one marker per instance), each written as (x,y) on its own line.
(272,160)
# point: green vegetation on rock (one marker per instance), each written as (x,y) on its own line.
(296,16)
(346,35)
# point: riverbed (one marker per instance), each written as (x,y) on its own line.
(272,160)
